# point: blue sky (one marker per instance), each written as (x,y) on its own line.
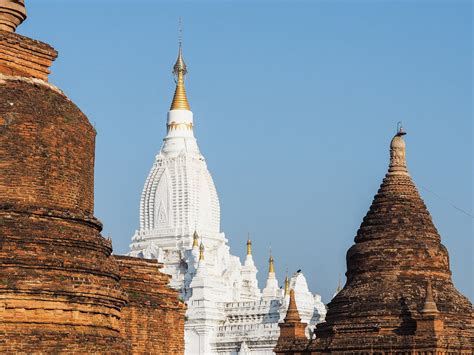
(295,104)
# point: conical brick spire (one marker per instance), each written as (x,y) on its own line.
(292,330)
(397,249)
(292,315)
(399,216)
(430,323)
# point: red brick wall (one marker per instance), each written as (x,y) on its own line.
(153,320)
(59,285)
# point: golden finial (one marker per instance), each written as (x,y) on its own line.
(271,266)
(249,245)
(287,284)
(195,239)
(201,252)
(180,101)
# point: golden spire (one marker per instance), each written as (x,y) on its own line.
(180,101)
(195,239)
(287,284)
(201,252)
(271,266)
(249,246)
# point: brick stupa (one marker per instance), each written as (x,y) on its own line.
(399,297)
(60,288)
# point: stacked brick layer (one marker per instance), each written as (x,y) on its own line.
(153,320)
(59,288)
(22,56)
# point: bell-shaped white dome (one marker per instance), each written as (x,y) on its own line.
(179,195)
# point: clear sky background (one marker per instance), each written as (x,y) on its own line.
(295,104)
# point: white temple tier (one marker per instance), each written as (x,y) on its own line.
(180,226)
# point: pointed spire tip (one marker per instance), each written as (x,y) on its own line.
(292,315)
(180,100)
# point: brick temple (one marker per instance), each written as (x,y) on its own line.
(61,290)
(399,297)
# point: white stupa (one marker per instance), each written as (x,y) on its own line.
(180,226)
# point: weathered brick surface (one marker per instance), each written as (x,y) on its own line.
(153,320)
(59,285)
(60,288)
(397,250)
(47,150)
